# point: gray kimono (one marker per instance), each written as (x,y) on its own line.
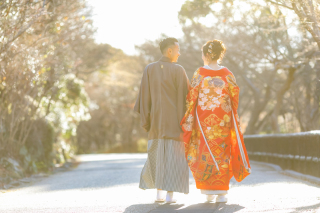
(162,104)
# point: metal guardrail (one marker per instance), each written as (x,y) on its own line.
(297,151)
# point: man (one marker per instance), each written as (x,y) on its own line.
(161,104)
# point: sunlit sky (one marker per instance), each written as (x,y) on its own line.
(126,23)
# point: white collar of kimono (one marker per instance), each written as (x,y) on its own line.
(209,68)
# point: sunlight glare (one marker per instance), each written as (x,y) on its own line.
(125,23)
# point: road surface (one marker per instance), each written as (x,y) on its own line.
(109,183)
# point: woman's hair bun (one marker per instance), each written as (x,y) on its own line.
(215,49)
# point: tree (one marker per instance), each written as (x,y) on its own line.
(260,49)
(41,50)
(308,12)
(113,91)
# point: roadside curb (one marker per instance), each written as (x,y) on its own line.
(290,173)
(298,175)
(274,166)
(36,177)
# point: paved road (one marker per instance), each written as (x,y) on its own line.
(109,183)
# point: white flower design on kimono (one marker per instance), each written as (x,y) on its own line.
(216,100)
(218,91)
(210,107)
(190,119)
(204,99)
(188,123)
(201,103)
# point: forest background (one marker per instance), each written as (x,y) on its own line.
(62,94)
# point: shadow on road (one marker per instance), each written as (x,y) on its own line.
(141,208)
(307,208)
(171,208)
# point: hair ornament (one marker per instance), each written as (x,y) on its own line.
(210,50)
(210,46)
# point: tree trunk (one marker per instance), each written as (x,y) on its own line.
(285,87)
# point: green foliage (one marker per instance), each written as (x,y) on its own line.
(196,8)
(44,47)
(36,154)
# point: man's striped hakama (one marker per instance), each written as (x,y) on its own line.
(166,167)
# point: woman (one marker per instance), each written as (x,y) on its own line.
(214,145)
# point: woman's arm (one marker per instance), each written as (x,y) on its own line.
(187,122)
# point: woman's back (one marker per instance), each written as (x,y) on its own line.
(214,99)
(214,146)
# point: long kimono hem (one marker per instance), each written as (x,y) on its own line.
(214,192)
(212,187)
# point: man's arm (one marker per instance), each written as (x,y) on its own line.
(143,103)
(183,86)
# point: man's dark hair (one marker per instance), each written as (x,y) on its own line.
(166,43)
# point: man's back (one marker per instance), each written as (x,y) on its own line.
(161,101)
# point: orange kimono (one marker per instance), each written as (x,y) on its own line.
(212,102)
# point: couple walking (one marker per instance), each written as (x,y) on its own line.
(195,125)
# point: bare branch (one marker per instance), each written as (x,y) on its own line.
(21,31)
(282,5)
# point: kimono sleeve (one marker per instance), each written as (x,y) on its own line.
(191,100)
(188,119)
(234,91)
(239,157)
(182,92)
(143,103)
